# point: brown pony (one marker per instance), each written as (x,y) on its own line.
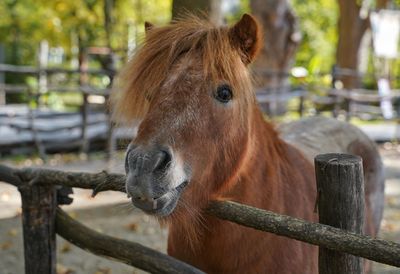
(202,137)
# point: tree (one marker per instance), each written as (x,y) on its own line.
(281,38)
(352,26)
(317,49)
(73,23)
(210,7)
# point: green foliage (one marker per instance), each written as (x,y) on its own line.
(237,12)
(71,24)
(318,24)
(81,23)
(77,24)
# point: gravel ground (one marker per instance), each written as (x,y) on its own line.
(110,213)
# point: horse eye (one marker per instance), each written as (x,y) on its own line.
(223,94)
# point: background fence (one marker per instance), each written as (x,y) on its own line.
(34,124)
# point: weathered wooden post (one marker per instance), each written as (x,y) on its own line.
(340,186)
(39,205)
(111,68)
(2,77)
(43,60)
(83,83)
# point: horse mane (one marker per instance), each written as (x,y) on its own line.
(145,73)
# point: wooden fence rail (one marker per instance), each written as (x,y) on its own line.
(131,253)
(6,68)
(327,237)
(44,87)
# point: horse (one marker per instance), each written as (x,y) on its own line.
(202,137)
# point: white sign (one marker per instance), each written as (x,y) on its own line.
(385,32)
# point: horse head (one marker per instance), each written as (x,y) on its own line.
(189,84)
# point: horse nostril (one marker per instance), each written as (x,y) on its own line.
(141,162)
(130,160)
(161,160)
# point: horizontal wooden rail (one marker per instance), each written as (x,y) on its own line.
(329,237)
(313,233)
(86,89)
(131,253)
(364,95)
(35,70)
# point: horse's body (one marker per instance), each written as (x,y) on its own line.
(319,135)
(277,178)
(203,137)
(298,143)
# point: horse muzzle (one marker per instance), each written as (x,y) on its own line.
(155,179)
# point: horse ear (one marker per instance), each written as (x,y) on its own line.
(246,37)
(148,26)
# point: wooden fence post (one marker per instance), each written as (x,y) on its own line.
(84,82)
(39,205)
(340,187)
(2,77)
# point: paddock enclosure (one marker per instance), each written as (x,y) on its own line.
(208,164)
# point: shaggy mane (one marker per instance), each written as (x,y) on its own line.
(144,74)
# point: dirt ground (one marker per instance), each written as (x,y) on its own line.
(111,213)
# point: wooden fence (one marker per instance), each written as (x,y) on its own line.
(98,127)
(43,136)
(340,249)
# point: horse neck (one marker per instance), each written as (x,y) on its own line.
(266,163)
(258,184)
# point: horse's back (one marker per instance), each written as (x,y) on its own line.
(318,135)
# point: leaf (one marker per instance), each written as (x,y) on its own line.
(12,232)
(6,245)
(61,269)
(103,270)
(66,247)
(132,227)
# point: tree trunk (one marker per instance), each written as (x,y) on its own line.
(381,4)
(351,30)
(108,19)
(281,38)
(212,8)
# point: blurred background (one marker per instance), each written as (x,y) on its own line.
(58,60)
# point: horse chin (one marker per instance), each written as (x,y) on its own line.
(162,206)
